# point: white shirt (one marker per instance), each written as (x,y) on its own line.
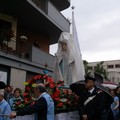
(41,95)
(91,91)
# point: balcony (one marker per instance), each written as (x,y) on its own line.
(45,18)
(43,58)
(61,4)
(57,18)
(27,54)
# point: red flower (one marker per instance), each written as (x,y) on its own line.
(60,104)
(25,94)
(60,83)
(45,76)
(28,88)
(56,93)
(32,103)
(57,99)
(37,77)
(50,80)
(26,101)
(30,81)
(52,85)
(18,103)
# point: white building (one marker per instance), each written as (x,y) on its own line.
(113,69)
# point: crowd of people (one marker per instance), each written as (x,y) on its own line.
(94,104)
(44,105)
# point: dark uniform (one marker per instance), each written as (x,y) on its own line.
(96,106)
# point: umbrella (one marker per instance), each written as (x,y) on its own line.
(2,85)
(79,87)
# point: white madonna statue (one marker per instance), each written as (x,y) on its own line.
(67,66)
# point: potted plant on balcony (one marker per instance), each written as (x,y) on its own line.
(23,39)
(10,35)
(5,38)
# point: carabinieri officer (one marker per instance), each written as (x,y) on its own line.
(95,105)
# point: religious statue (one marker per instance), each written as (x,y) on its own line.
(66,66)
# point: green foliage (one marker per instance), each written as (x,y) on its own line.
(99,69)
(88,69)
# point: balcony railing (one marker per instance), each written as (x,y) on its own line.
(58,18)
(42,57)
(52,13)
(29,52)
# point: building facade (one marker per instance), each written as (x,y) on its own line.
(22,23)
(113,69)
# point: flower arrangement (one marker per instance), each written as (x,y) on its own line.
(23,38)
(18,104)
(64,98)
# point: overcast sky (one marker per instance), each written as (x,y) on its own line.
(98,28)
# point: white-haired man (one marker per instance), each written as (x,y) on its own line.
(4,107)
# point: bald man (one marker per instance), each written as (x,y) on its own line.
(43,107)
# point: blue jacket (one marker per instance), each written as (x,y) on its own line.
(12,101)
(50,106)
(4,109)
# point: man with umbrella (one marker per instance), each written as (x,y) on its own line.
(95,104)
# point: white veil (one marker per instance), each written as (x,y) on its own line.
(67,62)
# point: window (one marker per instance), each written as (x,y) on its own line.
(110,66)
(8,27)
(5,27)
(117,66)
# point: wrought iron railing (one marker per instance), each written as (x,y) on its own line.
(21,49)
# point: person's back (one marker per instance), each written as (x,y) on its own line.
(50,106)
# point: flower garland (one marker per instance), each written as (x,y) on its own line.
(64,98)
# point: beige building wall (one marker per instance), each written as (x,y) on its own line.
(114,77)
(18,77)
(113,69)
